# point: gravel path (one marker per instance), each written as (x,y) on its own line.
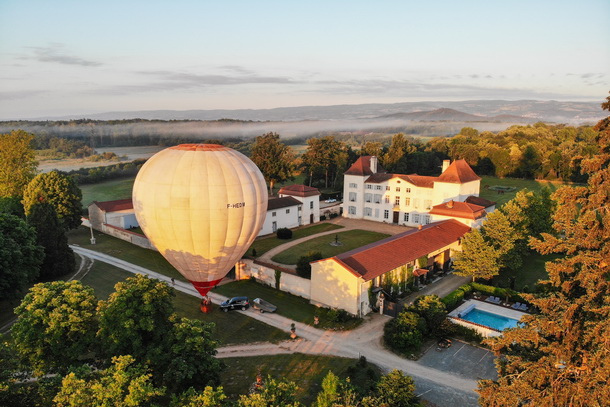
(435,385)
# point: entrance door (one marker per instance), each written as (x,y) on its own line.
(311,218)
(396,214)
(274,226)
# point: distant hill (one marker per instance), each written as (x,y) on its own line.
(451,115)
(521,111)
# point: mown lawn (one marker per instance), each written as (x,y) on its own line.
(307,371)
(288,305)
(350,240)
(267,243)
(517,183)
(123,250)
(231,328)
(107,191)
(529,274)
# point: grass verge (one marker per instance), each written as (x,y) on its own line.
(265,244)
(529,274)
(288,305)
(307,371)
(351,239)
(107,191)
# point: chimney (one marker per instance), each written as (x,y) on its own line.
(445,165)
(450,204)
(373,164)
(419,227)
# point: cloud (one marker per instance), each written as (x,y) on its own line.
(54,53)
(20,94)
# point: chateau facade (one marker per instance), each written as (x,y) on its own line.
(370,193)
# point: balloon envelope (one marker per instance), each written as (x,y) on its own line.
(202,206)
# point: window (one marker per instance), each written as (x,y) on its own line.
(352,197)
(311,205)
(427,219)
(368,197)
(397,200)
(386,214)
(272,213)
(378,187)
(369,186)
(387,199)
(387,188)
(377,198)
(287,210)
(353,185)
(376,212)
(397,189)
(407,201)
(406,217)
(416,218)
(351,210)
(408,190)
(416,203)
(368,211)
(428,203)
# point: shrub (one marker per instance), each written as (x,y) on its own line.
(322,217)
(303,268)
(404,333)
(333,215)
(432,310)
(469,335)
(284,233)
(453,299)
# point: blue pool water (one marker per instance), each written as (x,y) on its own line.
(489,319)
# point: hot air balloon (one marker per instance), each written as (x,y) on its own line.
(202,206)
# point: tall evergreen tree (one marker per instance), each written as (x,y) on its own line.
(273,158)
(58,257)
(561,355)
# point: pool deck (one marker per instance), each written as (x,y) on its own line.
(486,306)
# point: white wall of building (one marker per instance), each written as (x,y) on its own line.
(280,218)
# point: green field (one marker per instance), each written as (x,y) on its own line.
(529,274)
(107,191)
(267,243)
(288,305)
(518,184)
(351,239)
(307,371)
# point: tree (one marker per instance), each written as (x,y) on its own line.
(399,147)
(60,191)
(58,257)
(20,256)
(17,163)
(336,392)
(303,268)
(324,156)
(405,332)
(432,310)
(12,205)
(396,390)
(498,232)
(124,384)
(273,158)
(56,325)
(135,320)
(191,361)
(273,393)
(477,259)
(559,356)
(372,148)
(209,397)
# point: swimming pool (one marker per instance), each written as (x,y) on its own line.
(494,321)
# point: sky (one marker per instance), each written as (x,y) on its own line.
(81,57)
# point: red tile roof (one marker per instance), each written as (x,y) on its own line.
(362,166)
(477,200)
(285,202)
(299,190)
(114,206)
(420,272)
(417,180)
(388,254)
(459,210)
(459,172)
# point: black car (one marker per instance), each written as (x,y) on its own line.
(241,303)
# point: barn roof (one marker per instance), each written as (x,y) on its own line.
(285,202)
(299,190)
(388,254)
(114,206)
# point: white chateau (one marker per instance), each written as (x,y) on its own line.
(370,193)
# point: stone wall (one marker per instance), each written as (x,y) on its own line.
(266,274)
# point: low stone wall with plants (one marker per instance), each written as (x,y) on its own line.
(277,277)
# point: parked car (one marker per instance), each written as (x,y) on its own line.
(263,306)
(330,200)
(241,303)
